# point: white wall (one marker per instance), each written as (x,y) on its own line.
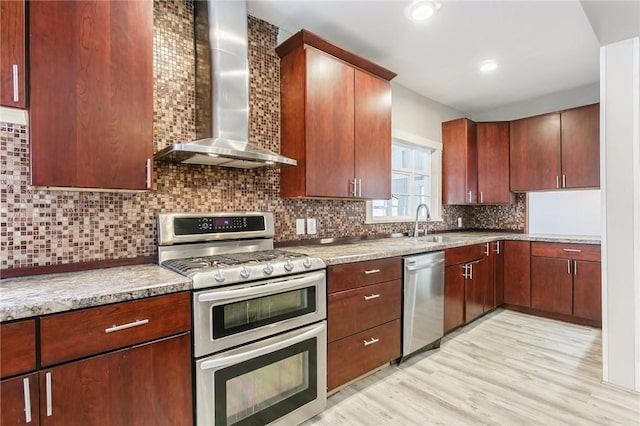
(564,212)
(420,116)
(571,98)
(620,185)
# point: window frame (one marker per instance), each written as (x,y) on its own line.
(404,138)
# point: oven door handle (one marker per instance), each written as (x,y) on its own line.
(244,356)
(259,290)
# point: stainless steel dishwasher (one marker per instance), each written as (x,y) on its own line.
(423,307)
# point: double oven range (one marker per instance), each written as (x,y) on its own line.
(259,318)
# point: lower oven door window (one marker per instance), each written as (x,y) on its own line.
(267,381)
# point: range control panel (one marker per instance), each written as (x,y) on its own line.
(217,225)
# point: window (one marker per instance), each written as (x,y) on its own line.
(415,178)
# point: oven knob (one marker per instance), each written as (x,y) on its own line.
(244,272)
(306,263)
(268,269)
(219,276)
(288,266)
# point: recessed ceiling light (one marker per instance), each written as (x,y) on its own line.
(421,10)
(488,65)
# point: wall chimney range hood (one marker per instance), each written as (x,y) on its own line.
(229,145)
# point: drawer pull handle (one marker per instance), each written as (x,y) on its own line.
(370,342)
(371,271)
(372,296)
(136,323)
(16,86)
(27,400)
(49,396)
(572,250)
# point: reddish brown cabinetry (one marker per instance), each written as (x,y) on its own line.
(475,162)
(565,279)
(517,273)
(464,285)
(363,315)
(18,395)
(581,147)
(557,150)
(493,163)
(13,75)
(459,162)
(335,121)
(91,94)
(492,275)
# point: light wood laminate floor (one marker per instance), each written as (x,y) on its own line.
(507,368)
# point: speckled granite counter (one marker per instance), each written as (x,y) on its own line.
(334,254)
(45,294)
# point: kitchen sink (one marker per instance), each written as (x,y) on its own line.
(436,238)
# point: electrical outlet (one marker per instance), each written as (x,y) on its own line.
(311,225)
(299,226)
(459,222)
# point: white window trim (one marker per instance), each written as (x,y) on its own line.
(436,179)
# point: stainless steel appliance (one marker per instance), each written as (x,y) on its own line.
(423,310)
(259,326)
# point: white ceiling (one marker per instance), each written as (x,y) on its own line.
(542,47)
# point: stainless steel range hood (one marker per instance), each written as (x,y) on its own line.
(229,145)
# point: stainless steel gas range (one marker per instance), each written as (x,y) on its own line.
(259,326)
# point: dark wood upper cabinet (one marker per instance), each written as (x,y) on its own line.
(459,162)
(581,147)
(535,153)
(91,94)
(13,87)
(493,163)
(335,121)
(557,150)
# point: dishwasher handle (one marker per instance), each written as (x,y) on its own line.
(424,263)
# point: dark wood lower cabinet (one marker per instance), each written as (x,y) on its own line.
(552,285)
(475,286)
(14,403)
(143,385)
(498,269)
(353,356)
(587,290)
(453,297)
(517,273)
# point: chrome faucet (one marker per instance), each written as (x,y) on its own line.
(415,229)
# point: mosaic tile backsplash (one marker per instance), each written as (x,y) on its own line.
(39,228)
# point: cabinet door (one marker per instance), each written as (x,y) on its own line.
(19,401)
(534,153)
(91,93)
(581,147)
(587,290)
(12,54)
(329,126)
(453,297)
(489,279)
(493,163)
(497,248)
(145,385)
(372,141)
(517,273)
(477,275)
(459,162)
(551,284)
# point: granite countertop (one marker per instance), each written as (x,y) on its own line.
(335,254)
(46,294)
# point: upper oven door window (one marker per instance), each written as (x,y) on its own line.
(227,317)
(236,317)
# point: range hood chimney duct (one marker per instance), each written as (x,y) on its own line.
(229,144)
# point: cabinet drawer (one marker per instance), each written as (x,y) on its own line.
(18,347)
(458,255)
(358,274)
(352,311)
(589,252)
(72,335)
(354,356)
